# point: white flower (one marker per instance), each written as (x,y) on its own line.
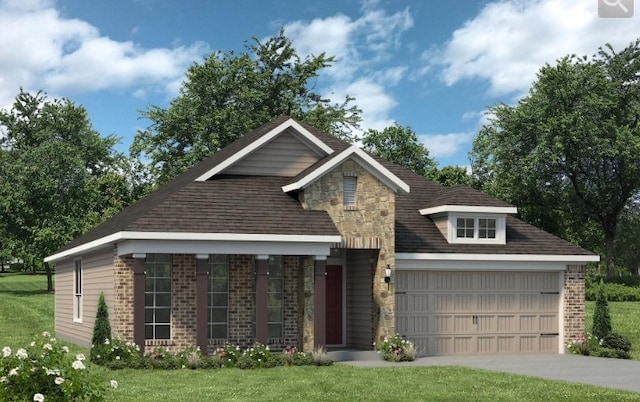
(13,371)
(32,344)
(65,349)
(21,354)
(47,346)
(77,365)
(117,357)
(6,351)
(46,334)
(3,380)
(58,380)
(114,384)
(80,356)
(106,341)
(53,340)
(38,397)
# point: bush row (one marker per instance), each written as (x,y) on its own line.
(615,292)
(613,345)
(117,354)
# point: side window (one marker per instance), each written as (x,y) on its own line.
(275,305)
(486,228)
(465,228)
(77,290)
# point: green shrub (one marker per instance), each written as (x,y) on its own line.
(616,341)
(611,353)
(46,371)
(227,355)
(161,358)
(584,345)
(258,356)
(101,333)
(615,292)
(190,357)
(396,349)
(601,317)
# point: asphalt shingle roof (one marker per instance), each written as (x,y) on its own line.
(257,205)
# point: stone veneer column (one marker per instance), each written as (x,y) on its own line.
(319,302)
(138,300)
(262,274)
(306,303)
(202,307)
(574,308)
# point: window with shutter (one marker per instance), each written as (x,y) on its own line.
(349,185)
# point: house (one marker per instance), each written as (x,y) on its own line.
(290,236)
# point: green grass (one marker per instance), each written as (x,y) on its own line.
(625,319)
(26,309)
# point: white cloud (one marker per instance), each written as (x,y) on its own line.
(508,42)
(40,49)
(445,145)
(362,48)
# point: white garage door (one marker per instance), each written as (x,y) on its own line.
(447,313)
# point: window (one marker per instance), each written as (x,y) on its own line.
(465,228)
(275,305)
(218,296)
(349,185)
(486,228)
(77,290)
(157,297)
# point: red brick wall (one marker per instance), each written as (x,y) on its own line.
(574,309)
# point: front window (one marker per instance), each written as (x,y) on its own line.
(77,290)
(218,302)
(275,305)
(157,297)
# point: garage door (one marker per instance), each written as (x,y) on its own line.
(448,313)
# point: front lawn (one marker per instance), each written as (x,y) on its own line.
(26,310)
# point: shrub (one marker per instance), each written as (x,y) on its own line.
(612,353)
(258,356)
(227,355)
(46,371)
(601,318)
(161,358)
(117,354)
(321,357)
(584,346)
(616,341)
(396,349)
(101,332)
(615,292)
(190,357)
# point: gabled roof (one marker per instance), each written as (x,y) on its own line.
(325,165)
(204,204)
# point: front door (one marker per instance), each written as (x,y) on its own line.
(334,305)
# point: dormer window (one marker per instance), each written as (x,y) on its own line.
(476,228)
(486,228)
(465,228)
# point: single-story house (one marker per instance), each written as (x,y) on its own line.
(290,236)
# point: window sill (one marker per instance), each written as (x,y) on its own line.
(350,207)
(159,342)
(77,320)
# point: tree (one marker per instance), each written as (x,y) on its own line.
(568,154)
(228,95)
(51,175)
(399,145)
(101,332)
(451,176)
(601,318)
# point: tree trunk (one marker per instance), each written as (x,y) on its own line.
(47,268)
(609,227)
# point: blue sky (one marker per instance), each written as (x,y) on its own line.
(432,65)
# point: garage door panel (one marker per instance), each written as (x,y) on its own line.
(447,313)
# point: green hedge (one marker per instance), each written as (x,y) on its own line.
(615,292)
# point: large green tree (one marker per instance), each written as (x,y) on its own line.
(568,154)
(56,175)
(229,94)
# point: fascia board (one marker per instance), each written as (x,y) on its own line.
(468,209)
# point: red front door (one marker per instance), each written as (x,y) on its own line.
(334,305)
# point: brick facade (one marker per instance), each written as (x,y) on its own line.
(183,320)
(574,308)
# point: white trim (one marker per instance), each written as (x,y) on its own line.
(452,229)
(290,123)
(497,257)
(561,345)
(176,237)
(371,165)
(468,208)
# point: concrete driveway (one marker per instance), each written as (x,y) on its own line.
(604,372)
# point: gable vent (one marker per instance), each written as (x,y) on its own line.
(349,185)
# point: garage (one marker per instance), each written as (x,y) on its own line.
(466,312)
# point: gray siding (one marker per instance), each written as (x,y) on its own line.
(97,277)
(359,299)
(441,224)
(285,155)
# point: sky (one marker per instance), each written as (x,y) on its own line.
(434,66)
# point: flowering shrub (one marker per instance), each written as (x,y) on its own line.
(258,356)
(161,358)
(46,371)
(190,357)
(226,356)
(584,346)
(396,349)
(117,353)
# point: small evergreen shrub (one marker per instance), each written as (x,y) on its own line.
(616,341)
(396,349)
(601,317)
(611,353)
(101,333)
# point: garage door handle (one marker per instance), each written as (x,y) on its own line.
(550,334)
(401,293)
(549,293)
